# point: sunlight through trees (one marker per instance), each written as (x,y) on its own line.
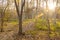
(30,19)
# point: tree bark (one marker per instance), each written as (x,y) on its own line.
(20,15)
(47,18)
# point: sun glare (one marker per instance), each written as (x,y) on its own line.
(52,5)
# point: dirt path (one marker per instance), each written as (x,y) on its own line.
(11,35)
(29,26)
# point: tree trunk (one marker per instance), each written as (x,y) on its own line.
(20,15)
(2,15)
(2,21)
(47,18)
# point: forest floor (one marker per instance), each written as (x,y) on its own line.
(30,33)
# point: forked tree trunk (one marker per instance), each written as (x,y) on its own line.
(20,14)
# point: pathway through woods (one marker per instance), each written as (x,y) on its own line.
(11,35)
(30,26)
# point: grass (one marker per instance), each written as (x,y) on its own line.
(40,25)
(14,24)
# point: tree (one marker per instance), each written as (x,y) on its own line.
(47,18)
(19,14)
(3,9)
